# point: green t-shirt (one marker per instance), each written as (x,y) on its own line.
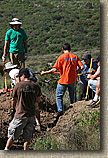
(16,39)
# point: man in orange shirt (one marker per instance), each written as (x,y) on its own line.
(67,64)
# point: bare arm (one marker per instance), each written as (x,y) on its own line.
(51,71)
(95,75)
(37,113)
(25,46)
(38,99)
(80,69)
(5,47)
(13,103)
(16,78)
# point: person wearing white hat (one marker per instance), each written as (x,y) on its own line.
(16,40)
(13,72)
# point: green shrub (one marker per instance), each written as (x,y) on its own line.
(86,134)
(89,119)
(46,143)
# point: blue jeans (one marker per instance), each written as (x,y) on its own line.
(61,89)
(92,84)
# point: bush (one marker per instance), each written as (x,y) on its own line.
(86,134)
(46,143)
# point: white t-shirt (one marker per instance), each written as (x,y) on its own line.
(12,74)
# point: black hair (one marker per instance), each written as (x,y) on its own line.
(24,71)
(66,46)
(98,58)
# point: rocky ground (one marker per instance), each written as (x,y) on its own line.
(48,116)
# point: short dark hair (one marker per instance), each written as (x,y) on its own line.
(24,71)
(97,58)
(86,56)
(66,46)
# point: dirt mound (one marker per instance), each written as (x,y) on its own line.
(4,118)
(48,115)
(71,117)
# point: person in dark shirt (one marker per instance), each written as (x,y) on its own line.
(25,94)
(83,81)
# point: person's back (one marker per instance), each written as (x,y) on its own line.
(26,94)
(67,64)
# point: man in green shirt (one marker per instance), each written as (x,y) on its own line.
(16,40)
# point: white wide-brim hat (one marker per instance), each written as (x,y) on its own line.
(15,23)
(9,65)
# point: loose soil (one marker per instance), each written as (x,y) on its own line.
(48,115)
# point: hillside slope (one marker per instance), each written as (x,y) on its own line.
(50,23)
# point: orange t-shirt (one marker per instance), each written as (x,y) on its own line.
(67,64)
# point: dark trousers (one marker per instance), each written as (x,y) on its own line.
(82,92)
